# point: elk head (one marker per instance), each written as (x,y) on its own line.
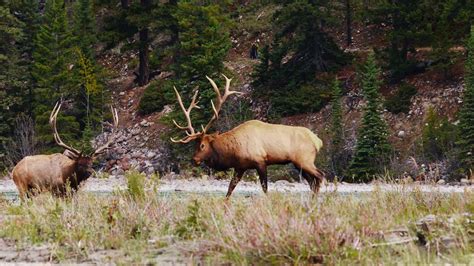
(83,167)
(204,145)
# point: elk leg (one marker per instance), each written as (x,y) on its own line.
(262,173)
(314,176)
(235,180)
(22,193)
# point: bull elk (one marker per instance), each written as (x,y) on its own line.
(38,173)
(251,145)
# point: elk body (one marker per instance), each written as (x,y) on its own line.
(38,173)
(252,145)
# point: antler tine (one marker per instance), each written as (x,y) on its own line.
(228,92)
(111,138)
(214,86)
(183,140)
(220,99)
(52,122)
(189,129)
(115,116)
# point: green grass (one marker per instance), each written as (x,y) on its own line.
(273,229)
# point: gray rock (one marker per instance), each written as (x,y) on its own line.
(150,170)
(135,131)
(150,154)
(401,134)
(144,123)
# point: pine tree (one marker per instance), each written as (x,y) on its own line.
(28,12)
(372,149)
(337,131)
(87,73)
(130,19)
(301,48)
(407,29)
(85,28)
(11,74)
(466,115)
(52,72)
(260,73)
(204,41)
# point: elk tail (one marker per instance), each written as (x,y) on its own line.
(318,143)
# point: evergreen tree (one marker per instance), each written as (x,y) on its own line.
(260,73)
(466,115)
(337,131)
(448,22)
(407,29)
(130,19)
(301,48)
(28,12)
(204,41)
(11,74)
(85,28)
(372,149)
(52,72)
(87,73)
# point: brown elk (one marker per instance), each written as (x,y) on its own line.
(38,173)
(251,145)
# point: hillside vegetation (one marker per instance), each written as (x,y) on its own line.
(387,85)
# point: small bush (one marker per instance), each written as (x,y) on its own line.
(439,136)
(303,99)
(136,184)
(192,224)
(156,96)
(400,102)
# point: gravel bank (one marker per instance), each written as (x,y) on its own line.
(220,186)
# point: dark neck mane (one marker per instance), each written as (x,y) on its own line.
(222,153)
(78,177)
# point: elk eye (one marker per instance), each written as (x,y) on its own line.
(203,146)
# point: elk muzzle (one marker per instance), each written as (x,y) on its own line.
(197,161)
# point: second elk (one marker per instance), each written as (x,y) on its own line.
(53,173)
(251,145)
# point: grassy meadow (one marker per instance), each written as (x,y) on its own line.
(137,226)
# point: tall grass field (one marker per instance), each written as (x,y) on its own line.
(378,227)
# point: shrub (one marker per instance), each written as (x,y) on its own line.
(438,137)
(401,100)
(303,99)
(156,96)
(136,184)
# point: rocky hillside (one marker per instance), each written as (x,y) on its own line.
(141,145)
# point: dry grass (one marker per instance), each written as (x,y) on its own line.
(273,229)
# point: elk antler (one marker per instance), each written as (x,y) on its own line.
(52,123)
(104,147)
(220,100)
(190,132)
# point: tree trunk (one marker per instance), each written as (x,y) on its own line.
(144,68)
(348,23)
(125,4)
